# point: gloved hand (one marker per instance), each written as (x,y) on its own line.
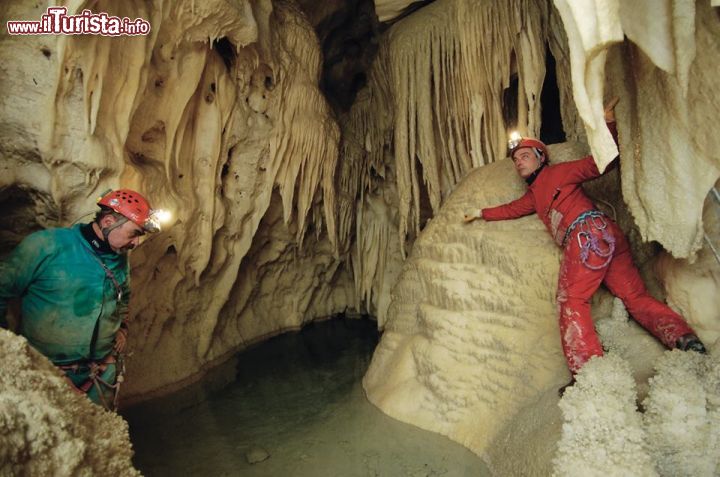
(472,215)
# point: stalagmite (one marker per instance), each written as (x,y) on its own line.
(471,336)
(676,434)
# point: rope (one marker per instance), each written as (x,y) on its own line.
(95,380)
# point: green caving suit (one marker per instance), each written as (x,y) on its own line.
(70,310)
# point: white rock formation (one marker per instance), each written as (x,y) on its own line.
(673,48)
(672,160)
(676,435)
(682,415)
(472,337)
(389,9)
(591,27)
(602,433)
(46,429)
(692,287)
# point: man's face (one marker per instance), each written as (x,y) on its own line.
(125,238)
(526,162)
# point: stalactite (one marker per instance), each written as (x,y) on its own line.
(217,107)
(655,134)
(303,154)
(469,53)
(434,101)
(591,28)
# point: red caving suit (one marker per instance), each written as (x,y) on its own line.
(594,251)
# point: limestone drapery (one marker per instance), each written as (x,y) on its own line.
(215,115)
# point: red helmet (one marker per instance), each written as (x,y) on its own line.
(515,144)
(131,205)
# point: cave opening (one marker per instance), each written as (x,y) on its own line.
(348,34)
(551,127)
(295,407)
(227,52)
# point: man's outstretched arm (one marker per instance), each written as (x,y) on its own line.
(512,210)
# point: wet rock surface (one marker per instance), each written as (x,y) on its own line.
(298,399)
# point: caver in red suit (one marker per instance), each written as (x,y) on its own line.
(595,251)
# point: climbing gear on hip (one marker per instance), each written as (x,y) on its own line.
(95,370)
(588,241)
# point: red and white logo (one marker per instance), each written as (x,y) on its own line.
(56,21)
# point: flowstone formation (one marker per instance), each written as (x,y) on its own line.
(46,429)
(471,337)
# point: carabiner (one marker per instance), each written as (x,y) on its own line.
(598,219)
(579,238)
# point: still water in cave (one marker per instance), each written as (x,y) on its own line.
(297,402)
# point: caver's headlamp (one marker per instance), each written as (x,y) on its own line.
(156,219)
(516,142)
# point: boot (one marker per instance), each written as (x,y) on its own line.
(561,391)
(690,342)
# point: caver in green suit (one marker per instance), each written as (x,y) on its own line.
(73,287)
(71,306)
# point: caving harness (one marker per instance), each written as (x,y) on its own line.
(589,241)
(95,370)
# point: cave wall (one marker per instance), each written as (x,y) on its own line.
(216,115)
